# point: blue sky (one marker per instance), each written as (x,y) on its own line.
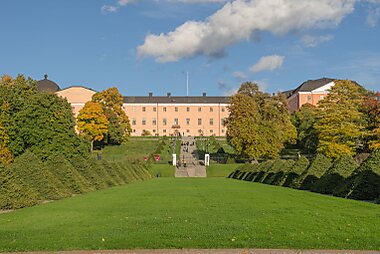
(148,45)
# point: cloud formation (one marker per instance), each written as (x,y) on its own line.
(311,41)
(241,20)
(114,8)
(268,63)
(373,17)
(239,75)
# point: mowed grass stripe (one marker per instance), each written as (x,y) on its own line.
(193,213)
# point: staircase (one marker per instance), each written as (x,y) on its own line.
(189,165)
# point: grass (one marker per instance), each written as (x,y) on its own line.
(164,170)
(193,213)
(221,170)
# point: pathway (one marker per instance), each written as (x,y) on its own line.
(189,165)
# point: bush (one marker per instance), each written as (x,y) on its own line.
(364,183)
(298,168)
(317,168)
(277,171)
(34,173)
(335,177)
(14,193)
(68,175)
(86,168)
(262,169)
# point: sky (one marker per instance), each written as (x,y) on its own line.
(143,46)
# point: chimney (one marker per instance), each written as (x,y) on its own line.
(168,94)
(150,94)
(204,94)
(46,76)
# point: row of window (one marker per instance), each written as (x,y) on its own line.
(176,121)
(176,109)
(187,131)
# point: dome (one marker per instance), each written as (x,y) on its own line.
(47,86)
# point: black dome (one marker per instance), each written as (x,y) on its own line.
(47,86)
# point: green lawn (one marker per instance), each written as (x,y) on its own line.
(164,170)
(221,170)
(193,213)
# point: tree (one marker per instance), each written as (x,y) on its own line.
(341,124)
(92,122)
(304,120)
(119,127)
(259,124)
(6,156)
(371,109)
(37,121)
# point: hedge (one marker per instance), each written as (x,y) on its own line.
(343,178)
(334,179)
(86,168)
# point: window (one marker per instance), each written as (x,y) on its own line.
(321,97)
(188,109)
(143,122)
(187,131)
(176,109)
(143,109)
(164,131)
(211,121)
(223,121)
(154,131)
(199,121)
(211,131)
(154,109)
(199,109)
(154,121)
(188,121)
(133,121)
(175,121)
(164,121)
(164,109)
(223,109)
(134,131)
(133,109)
(309,97)
(211,109)
(222,131)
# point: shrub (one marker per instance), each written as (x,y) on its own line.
(113,178)
(335,177)
(14,193)
(364,183)
(297,169)
(262,169)
(316,169)
(85,168)
(68,175)
(34,173)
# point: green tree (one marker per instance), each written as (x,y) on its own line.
(371,109)
(341,124)
(304,120)
(119,128)
(259,124)
(92,122)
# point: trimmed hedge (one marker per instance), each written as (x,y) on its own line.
(335,177)
(343,178)
(316,169)
(298,168)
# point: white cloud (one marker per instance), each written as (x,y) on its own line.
(198,1)
(268,63)
(108,8)
(311,41)
(373,17)
(239,75)
(114,8)
(241,20)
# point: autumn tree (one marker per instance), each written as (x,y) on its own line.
(259,124)
(92,122)
(371,109)
(341,124)
(6,155)
(304,120)
(119,127)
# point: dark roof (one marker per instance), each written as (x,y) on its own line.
(310,85)
(176,99)
(47,86)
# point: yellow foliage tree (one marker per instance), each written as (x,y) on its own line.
(6,155)
(92,122)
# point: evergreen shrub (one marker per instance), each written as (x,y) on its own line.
(317,168)
(294,173)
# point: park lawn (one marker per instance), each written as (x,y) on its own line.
(193,213)
(221,170)
(163,170)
